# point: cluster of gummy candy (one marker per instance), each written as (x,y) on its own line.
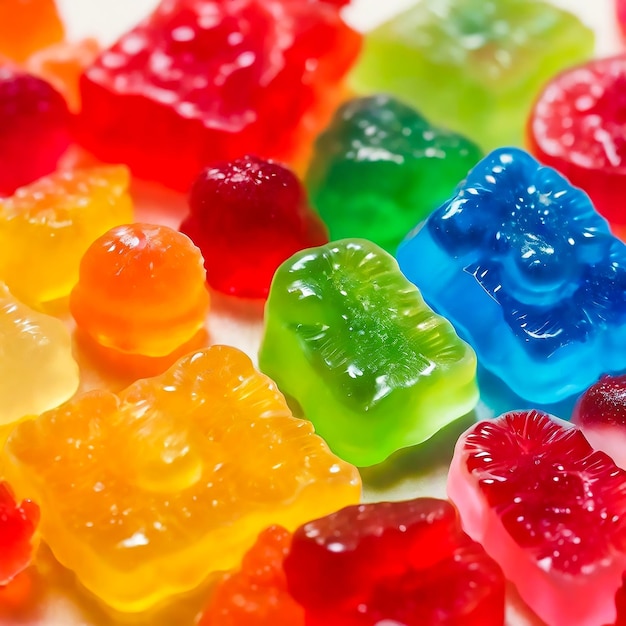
(509,274)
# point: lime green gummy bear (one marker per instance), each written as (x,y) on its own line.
(474,66)
(380,168)
(351,340)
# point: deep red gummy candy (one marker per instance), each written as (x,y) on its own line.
(247,217)
(34,128)
(207,80)
(408,562)
(603,404)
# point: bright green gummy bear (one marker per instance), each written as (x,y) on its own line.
(380,168)
(474,66)
(353,342)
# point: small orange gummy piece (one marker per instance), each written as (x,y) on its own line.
(257,594)
(141,290)
(27,26)
(62,64)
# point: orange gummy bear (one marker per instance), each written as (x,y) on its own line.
(141,290)
(146,493)
(62,64)
(257,594)
(46,227)
(27,26)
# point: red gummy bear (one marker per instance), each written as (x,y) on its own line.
(17,527)
(577,127)
(257,595)
(206,80)
(247,217)
(407,562)
(34,129)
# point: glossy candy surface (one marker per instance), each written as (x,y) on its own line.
(46,227)
(473,66)
(528,273)
(549,509)
(18,523)
(406,563)
(145,493)
(141,290)
(27,26)
(256,595)
(380,168)
(37,369)
(352,341)
(34,128)
(207,80)
(577,127)
(247,217)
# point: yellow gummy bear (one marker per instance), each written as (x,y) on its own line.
(46,227)
(146,493)
(37,370)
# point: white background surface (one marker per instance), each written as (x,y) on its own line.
(410,474)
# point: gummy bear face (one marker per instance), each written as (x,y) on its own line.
(178,499)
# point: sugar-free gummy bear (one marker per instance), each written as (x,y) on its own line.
(352,341)
(46,227)
(528,273)
(141,290)
(380,168)
(34,128)
(27,26)
(18,523)
(405,563)
(549,509)
(247,217)
(37,370)
(257,594)
(473,66)
(207,80)
(146,493)
(577,127)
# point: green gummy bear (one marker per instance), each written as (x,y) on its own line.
(351,340)
(380,168)
(474,66)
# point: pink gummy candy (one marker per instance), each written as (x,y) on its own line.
(549,509)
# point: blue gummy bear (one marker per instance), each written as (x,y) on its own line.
(529,274)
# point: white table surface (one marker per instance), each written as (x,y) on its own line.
(416,472)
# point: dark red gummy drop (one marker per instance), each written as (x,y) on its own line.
(247,217)
(603,404)
(408,562)
(34,129)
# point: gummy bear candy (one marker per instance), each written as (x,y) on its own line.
(62,64)
(257,595)
(145,493)
(473,66)
(380,168)
(207,80)
(27,26)
(601,414)
(352,341)
(549,509)
(528,273)
(247,217)
(46,227)
(405,563)
(18,523)
(34,128)
(37,370)
(141,289)
(577,127)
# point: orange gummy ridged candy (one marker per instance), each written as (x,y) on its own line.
(257,594)
(46,227)
(146,493)
(27,26)
(141,290)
